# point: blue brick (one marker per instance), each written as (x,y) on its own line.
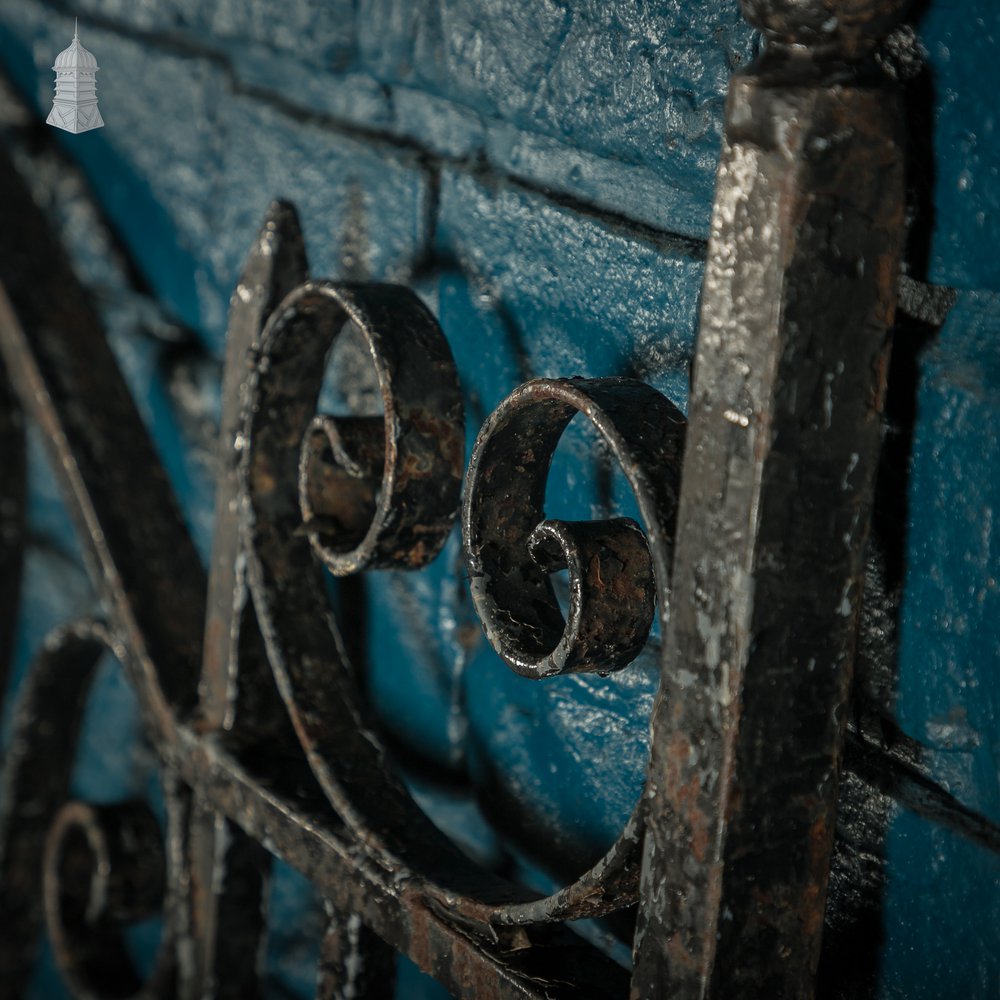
(949,694)
(647,194)
(321,32)
(164,15)
(586,297)
(283,77)
(622,82)
(339,186)
(440,125)
(965,74)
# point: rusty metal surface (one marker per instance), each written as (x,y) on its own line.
(36,783)
(236,681)
(512,548)
(276,265)
(751,561)
(377,857)
(783,441)
(12,518)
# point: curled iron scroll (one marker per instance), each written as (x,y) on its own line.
(318,492)
(105,868)
(98,868)
(351,491)
(612,570)
(325,801)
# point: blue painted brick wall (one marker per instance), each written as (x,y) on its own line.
(542,172)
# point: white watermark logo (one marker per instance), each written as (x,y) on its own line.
(74,107)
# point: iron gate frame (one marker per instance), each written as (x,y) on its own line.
(244,685)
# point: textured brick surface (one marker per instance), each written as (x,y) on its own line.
(964,165)
(364,208)
(583,90)
(618,103)
(586,298)
(950,626)
(542,172)
(621,103)
(639,81)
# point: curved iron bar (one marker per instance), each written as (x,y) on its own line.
(153,588)
(417,501)
(402,473)
(611,568)
(36,782)
(105,867)
(613,572)
(88,894)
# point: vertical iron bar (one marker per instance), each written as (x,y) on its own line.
(276,264)
(13,487)
(783,440)
(354,961)
(228,876)
(229,872)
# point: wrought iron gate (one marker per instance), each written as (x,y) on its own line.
(755,513)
